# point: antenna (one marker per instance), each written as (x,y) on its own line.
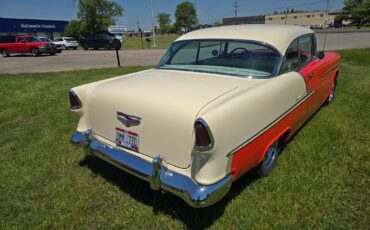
(235,6)
(326,19)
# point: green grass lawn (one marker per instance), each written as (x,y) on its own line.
(321,179)
(162,42)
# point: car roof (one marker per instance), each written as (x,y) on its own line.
(278,36)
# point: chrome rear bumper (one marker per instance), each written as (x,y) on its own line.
(159,177)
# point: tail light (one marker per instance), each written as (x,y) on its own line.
(203,137)
(74,100)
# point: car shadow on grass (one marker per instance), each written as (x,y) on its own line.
(165,203)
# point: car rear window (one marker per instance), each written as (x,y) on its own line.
(239,58)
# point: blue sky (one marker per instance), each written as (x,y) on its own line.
(208,11)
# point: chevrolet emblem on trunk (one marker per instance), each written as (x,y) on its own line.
(128,120)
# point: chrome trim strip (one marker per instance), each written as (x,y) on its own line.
(155,172)
(329,71)
(271,124)
(208,130)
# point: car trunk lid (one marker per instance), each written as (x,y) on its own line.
(165,101)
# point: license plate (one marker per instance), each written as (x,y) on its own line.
(127,139)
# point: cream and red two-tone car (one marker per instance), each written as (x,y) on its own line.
(221,102)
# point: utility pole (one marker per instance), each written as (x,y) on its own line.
(151,4)
(140,33)
(235,6)
(286,14)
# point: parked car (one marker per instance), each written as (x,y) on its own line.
(58,46)
(67,42)
(25,44)
(222,101)
(97,41)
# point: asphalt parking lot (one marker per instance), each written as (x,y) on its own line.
(82,59)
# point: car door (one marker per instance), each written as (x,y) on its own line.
(312,68)
(300,57)
(21,46)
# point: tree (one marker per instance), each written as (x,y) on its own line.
(95,16)
(164,21)
(73,29)
(359,10)
(186,16)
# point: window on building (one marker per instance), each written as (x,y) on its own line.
(270,18)
(282,17)
(295,17)
(308,16)
(321,15)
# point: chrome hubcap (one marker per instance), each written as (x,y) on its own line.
(271,154)
(331,95)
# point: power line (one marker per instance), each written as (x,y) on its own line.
(236,9)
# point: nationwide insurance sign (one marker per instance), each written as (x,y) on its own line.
(11,25)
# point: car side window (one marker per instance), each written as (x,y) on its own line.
(305,49)
(186,55)
(210,49)
(292,60)
(20,40)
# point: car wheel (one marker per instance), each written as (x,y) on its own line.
(270,159)
(332,92)
(5,53)
(52,54)
(74,48)
(64,47)
(35,52)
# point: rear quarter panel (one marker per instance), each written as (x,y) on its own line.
(237,119)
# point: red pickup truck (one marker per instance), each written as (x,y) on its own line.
(25,44)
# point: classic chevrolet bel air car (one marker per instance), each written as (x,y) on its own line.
(222,101)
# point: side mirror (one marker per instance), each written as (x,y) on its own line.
(321,55)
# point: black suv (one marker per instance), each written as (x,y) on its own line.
(97,41)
